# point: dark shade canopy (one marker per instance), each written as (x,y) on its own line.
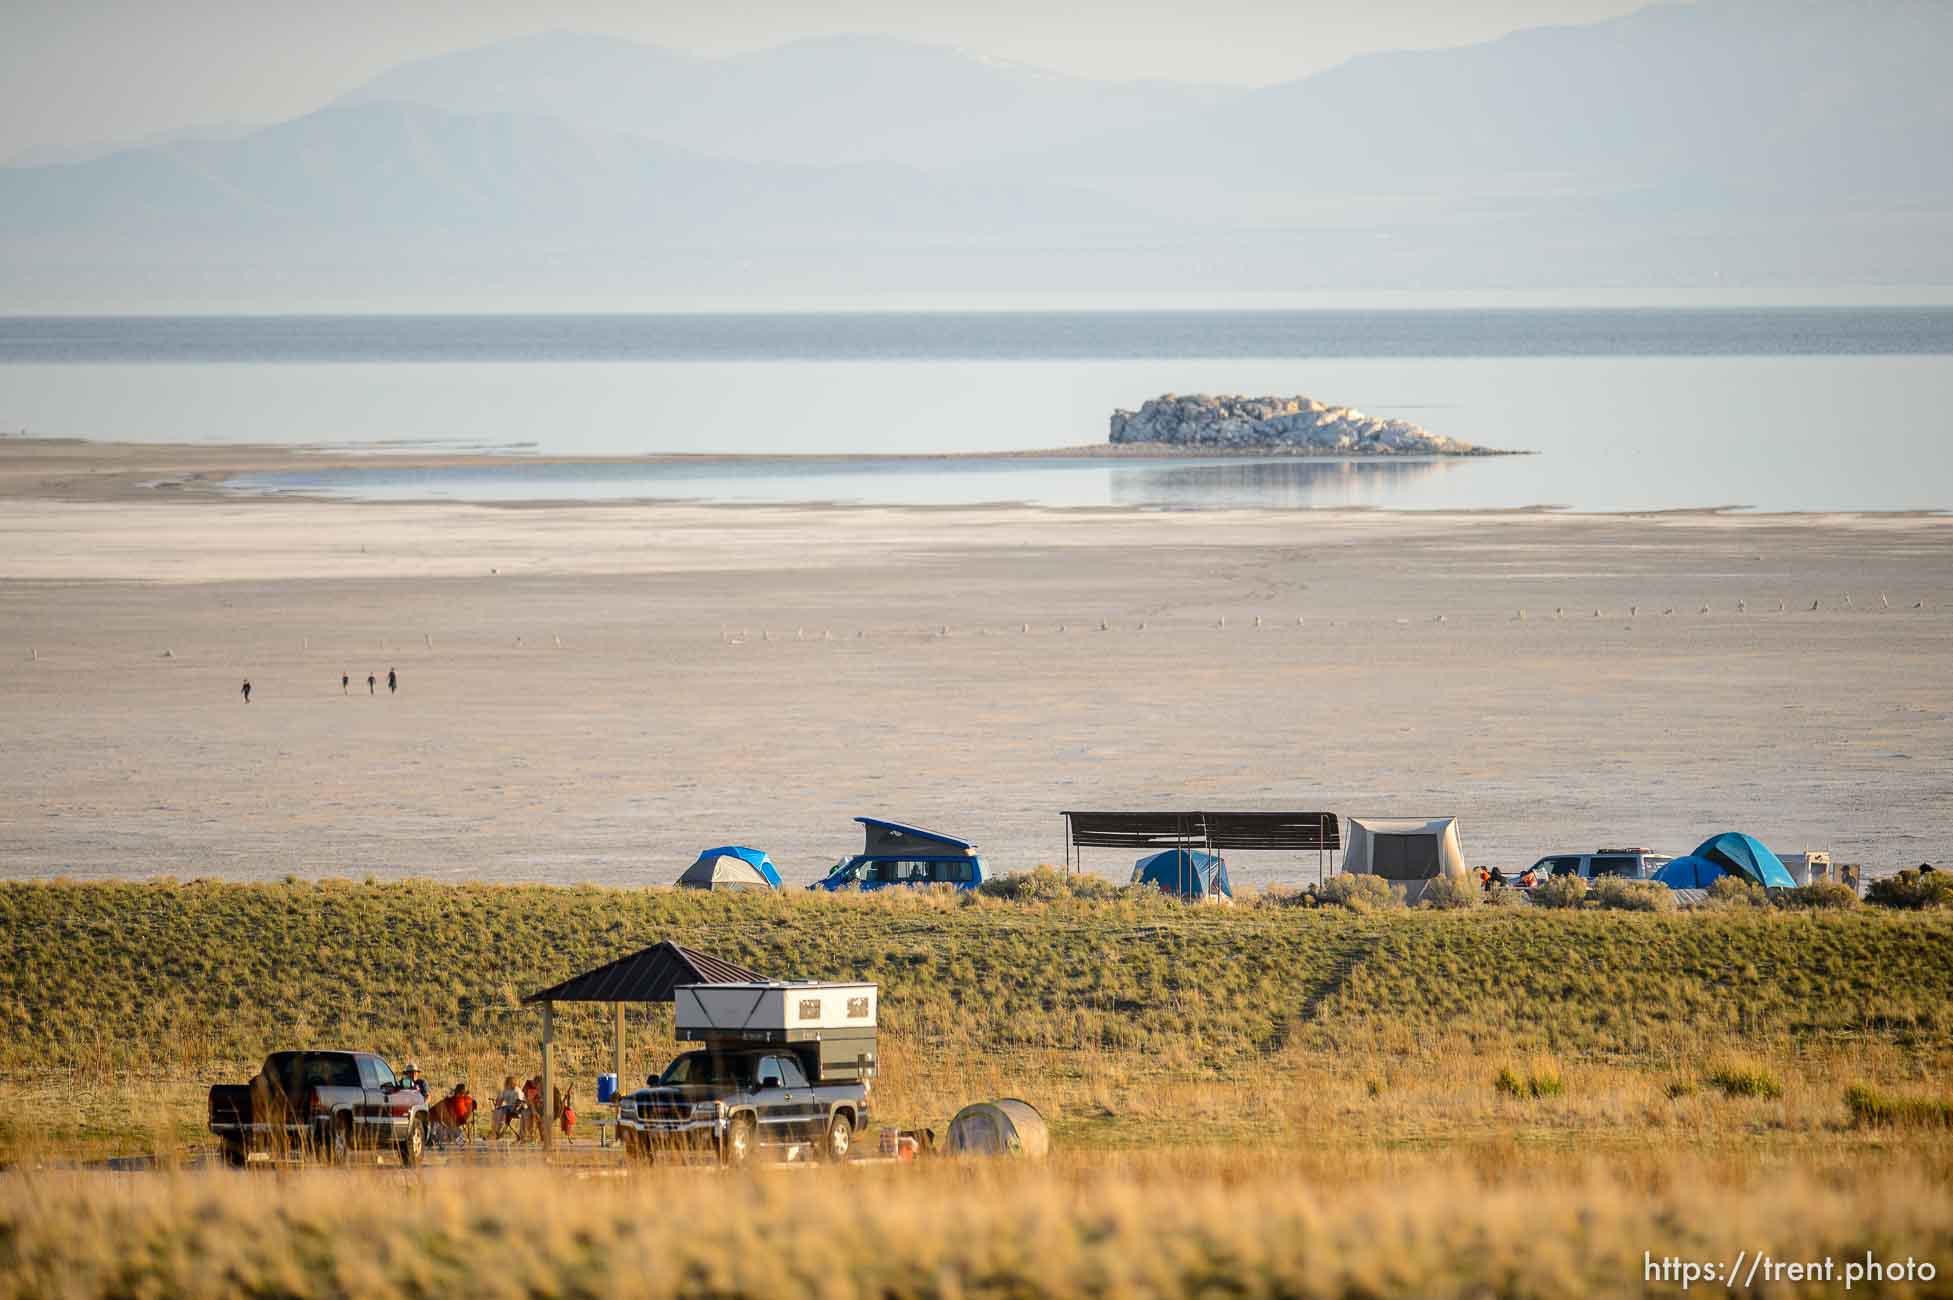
(648,975)
(1216,830)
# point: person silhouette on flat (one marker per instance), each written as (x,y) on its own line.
(393,682)
(369,683)
(345,684)
(245,690)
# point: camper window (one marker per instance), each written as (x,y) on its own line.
(912,872)
(955,873)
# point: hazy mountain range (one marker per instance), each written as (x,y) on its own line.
(1730,142)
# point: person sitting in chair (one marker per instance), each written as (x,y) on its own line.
(508,1108)
(448,1117)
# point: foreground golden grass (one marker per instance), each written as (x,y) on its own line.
(1228,1224)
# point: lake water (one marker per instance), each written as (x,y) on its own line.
(1777,409)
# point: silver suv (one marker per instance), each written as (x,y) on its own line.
(1630,864)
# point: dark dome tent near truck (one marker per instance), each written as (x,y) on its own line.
(1008,1127)
(895,854)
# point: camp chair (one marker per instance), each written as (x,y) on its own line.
(509,1125)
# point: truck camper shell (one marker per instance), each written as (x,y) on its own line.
(830,1026)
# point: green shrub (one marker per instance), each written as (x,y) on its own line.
(1912,889)
(1633,895)
(1679,1088)
(1881,1110)
(1047,884)
(1561,891)
(1819,894)
(1358,893)
(1541,1080)
(1501,896)
(1745,1079)
(1447,893)
(1286,896)
(1734,891)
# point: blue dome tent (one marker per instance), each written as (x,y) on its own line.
(731,867)
(1186,873)
(1690,872)
(1731,853)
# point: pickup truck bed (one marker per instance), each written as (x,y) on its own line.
(319,1103)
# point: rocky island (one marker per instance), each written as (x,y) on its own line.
(1283,426)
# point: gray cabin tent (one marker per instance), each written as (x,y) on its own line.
(1407,852)
(1008,1127)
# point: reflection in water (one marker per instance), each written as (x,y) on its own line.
(1276,484)
(1287,483)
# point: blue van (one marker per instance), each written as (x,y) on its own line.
(905,855)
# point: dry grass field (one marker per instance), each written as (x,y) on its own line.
(1236,1224)
(1133,1021)
(1268,1100)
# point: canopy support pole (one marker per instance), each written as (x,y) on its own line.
(617,1061)
(549,1077)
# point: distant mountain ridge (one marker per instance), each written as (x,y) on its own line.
(1729,142)
(838,99)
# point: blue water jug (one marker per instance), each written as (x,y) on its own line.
(606,1088)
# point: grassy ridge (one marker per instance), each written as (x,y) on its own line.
(1645,987)
(1232,1225)
(120,1003)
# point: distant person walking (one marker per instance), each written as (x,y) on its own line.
(245,690)
(345,683)
(369,683)
(393,682)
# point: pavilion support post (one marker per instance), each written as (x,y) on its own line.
(617,1039)
(549,1076)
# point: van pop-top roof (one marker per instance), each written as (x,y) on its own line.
(893,839)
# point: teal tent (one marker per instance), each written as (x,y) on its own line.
(1731,853)
(1186,873)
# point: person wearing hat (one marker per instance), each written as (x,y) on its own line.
(413,1076)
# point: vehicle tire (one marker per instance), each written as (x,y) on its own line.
(339,1141)
(740,1141)
(415,1147)
(839,1141)
(234,1155)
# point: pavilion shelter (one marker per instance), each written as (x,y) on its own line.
(648,975)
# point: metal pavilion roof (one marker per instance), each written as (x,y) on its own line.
(648,975)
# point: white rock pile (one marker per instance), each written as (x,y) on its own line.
(1298,426)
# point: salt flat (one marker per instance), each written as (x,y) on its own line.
(596,692)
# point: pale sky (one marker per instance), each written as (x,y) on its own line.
(76,72)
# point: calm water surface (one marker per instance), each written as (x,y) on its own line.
(1784,409)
